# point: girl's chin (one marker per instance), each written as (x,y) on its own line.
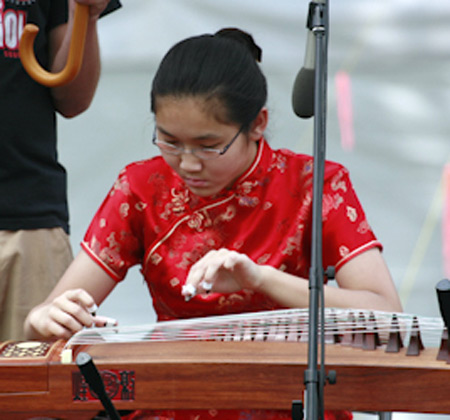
(203,191)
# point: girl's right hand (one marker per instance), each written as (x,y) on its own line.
(63,316)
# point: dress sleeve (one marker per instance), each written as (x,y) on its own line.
(346,231)
(113,238)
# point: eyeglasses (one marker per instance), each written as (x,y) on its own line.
(204,153)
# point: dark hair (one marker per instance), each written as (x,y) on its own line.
(220,67)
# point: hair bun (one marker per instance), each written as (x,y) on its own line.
(243,38)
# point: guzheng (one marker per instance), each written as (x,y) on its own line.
(383,361)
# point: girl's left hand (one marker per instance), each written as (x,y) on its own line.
(222,271)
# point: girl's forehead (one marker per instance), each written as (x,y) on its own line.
(194,107)
(173,102)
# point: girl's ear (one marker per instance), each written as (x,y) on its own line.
(259,125)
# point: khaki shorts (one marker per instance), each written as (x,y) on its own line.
(31,263)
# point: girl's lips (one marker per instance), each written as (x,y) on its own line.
(193,182)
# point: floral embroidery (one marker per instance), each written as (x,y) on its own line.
(111,257)
(174,282)
(179,241)
(111,254)
(226,216)
(177,204)
(308,167)
(248,201)
(338,200)
(246,187)
(141,206)
(198,251)
(121,185)
(112,241)
(95,245)
(179,200)
(294,242)
(330,203)
(102,222)
(352,215)
(267,205)
(237,245)
(363,227)
(123,210)
(278,162)
(263,259)
(305,206)
(173,254)
(155,258)
(242,192)
(337,183)
(167,211)
(343,251)
(199,221)
(230,300)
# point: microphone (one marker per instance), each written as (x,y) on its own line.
(303,91)
(304,84)
(95,382)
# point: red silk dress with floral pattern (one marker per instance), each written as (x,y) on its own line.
(151,218)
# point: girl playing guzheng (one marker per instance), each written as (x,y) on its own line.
(220,222)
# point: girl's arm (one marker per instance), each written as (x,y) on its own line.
(364,282)
(68,307)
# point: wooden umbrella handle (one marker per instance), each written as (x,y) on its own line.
(74,59)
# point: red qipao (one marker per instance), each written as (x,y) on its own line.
(151,218)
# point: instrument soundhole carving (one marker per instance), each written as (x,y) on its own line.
(119,385)
(24,349)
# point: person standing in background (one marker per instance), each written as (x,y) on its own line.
(34,221)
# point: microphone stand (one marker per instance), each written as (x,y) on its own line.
(94,380)
(313,378)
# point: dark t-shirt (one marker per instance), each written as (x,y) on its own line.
(33,191)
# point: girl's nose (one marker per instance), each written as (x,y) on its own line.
(190,163)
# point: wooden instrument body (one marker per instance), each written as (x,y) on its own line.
(227,375)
